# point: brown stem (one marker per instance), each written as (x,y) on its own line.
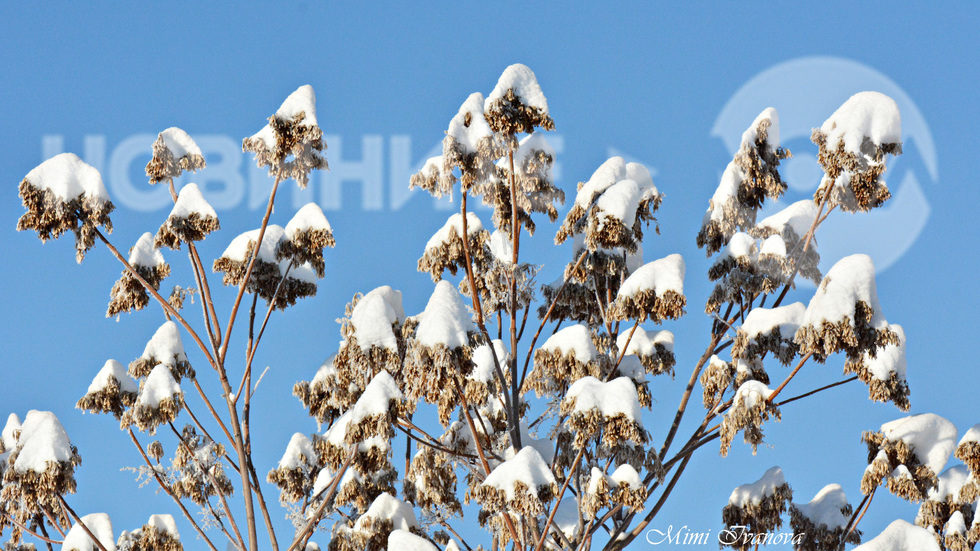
(687,395)
(554,510)
(812,392)
(327,496)
(780,388)
(79,522)
(515,229)
(28,530)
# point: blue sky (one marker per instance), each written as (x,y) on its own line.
(649,82)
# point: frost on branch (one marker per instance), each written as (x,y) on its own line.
(158,534)
(853,143)
(291,144)
(768,330)
(750,408)
(159,401)
(823,520)
(884,373)
(174,151)
(305,237)
(271,278)
(607,415)
(909,453)
(655,292)
(167,348)
(197,468)
(516,105)
(371,531)
(519,487)
(623,487)
(444,250)
(128,293)
(844,314)
(191,219)
(901,536)
(749,179)
(39,468)
(78,539)
(112,391)
(65,194)
(564,358)
(440,350)
(756,508)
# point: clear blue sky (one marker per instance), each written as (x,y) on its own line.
(649,82)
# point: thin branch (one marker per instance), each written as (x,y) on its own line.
(780,388)
(327,496)
(78,521)
(17,523)
(812,392)
(564,487)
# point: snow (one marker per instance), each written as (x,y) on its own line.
(239,249)
(644,343)
(165,346)
(180,143)
(501,248)
(160,385)
(299,452)
(303,272)
(42,440)
(901,535)
(799,216)
(772,134)
(950,482)
(849,281)
(956,523)
(739,246)
(376,397)
(373,317)
(165,524)
(866,114)
(445,319)
(386,507)
(762,321)
(527,146)
(527,466)
(932,437)
(190,200)
(774,246)
(441,237)
(145,254)
(567,517)
(755,492)
(825,508)
(576,339)
(310,217)
(117,371)
(660,276)
(620,201)
(68,177)
(608,173)
(521,79)
(616,397)
(483,365)
(100,525)
(626,474)
(468,137)
(13,424)
(971,435)
(751,393)
(890,359)
(726,191)
(403,540)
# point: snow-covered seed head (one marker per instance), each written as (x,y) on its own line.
(292,143)
(305,237)
(431,482)
(750,409)
(884,373)
(112,391)
(516,104)
(853,143)
(470,145)
(445,250)
(372,529)
(565,357)
(768,330)
(823,521)
(907,454)
(968,450)
(283,280)
(607,414)
(65,194)
(756,508)
(164,347)
(520,487)
(715,378)
(191,219)
(128,293)
(173,152)
(197,468)
(178,295)
(434,178)
(159,533)
(159,401)
(655,292)
(296,470)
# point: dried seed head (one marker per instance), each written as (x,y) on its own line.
(822,521)
(191,219)
(112,391)
(291,144)
(756,508)
(173,152)
(750,409)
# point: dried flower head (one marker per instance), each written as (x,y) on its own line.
(853,143)
(968,450)
(283,281)
(715,379)
(128,293)
(607,414)
(191,219)
(822,521)
(65,194)
(909,452)
(112,391)
(768,330)
(197,468)
(291,144)
(655,292)
(445,249)
(158,534)
(173,152)
(516,105)
(520,487)
(431,483)
(371,530)
(750,408)
(159,401)
(884,373)
(296,470)
(756,508)
(944,501)
(564,358)
(305,237)
(434,177)
(470,145)
(790,226)
(165,347)
(654,349)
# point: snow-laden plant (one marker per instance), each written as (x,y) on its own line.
(532,430)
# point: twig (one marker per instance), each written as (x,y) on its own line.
(554,510)
(79,522)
